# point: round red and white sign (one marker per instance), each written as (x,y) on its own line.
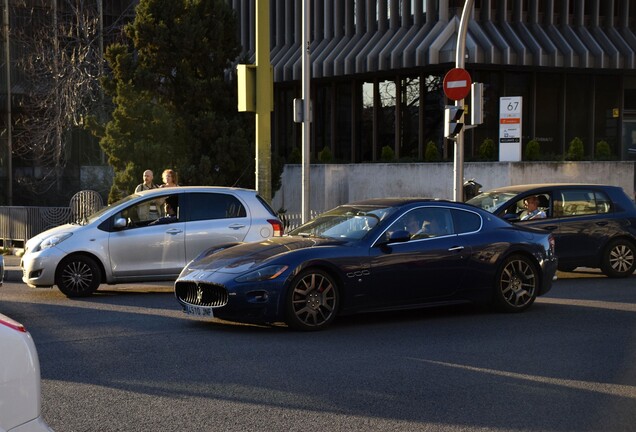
(457,84)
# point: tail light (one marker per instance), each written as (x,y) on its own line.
(277,226)
(5,320)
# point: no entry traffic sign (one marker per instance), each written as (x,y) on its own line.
(457,84)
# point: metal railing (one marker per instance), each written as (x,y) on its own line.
(19,224)
(294,220)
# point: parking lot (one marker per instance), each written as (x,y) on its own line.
(127,358)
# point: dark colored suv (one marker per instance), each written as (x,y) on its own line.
(594,225)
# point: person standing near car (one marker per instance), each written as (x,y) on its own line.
(169,178)
(147,182)
(151,210)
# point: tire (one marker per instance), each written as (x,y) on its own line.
(312,301)
(516,284)
(619,259)
(78,276)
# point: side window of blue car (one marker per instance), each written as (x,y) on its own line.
(206,206)
(466,221)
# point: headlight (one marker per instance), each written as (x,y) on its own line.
(52,241)
(265,273)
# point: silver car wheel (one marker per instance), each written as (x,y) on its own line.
(78,276)
(517,284)
(313,301)
(620,259)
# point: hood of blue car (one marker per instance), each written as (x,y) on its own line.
(243,257)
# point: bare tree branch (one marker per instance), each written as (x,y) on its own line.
(59,62)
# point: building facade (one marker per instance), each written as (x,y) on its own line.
(377,68)
(49,32)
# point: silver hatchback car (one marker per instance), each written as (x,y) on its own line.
(141,238)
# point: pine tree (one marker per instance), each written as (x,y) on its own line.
(173,106)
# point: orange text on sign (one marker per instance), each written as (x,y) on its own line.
(510,120)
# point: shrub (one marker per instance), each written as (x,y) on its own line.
(388,154)
(575,150)
(602,151)
(295,156)
(432,152)
(325,155)
(533,151)
(486,150)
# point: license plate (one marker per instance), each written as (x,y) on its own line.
(198,311)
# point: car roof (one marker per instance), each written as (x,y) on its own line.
(181,189)
(528,187)
(396,201)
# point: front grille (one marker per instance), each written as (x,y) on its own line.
(201,294)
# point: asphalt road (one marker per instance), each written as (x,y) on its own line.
(128,359)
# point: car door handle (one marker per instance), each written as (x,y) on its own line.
(237,226)
(601,223)
(174,231)
(456,248)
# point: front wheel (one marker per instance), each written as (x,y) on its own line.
(312,301)
(516,284)
(619,259)
(78,276)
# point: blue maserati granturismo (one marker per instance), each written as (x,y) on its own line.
(372,255)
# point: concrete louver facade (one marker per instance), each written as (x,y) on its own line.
(365,36)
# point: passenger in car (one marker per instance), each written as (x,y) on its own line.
(170,208)
(532,209)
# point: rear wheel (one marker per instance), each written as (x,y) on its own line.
(516,285)
(78,276)
(312,301)
(619,259)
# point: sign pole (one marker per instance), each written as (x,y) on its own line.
(458,163)
(306,94)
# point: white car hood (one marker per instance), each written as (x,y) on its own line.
(57,230)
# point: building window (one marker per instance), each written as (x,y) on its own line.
(606,120)
(410,100)
(386,115)
(366,123)
(321,108)
(549,114)
(343,122)
(578,94)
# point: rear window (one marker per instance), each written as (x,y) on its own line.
(206,206)
(576,202)
(267,206)
(466,222)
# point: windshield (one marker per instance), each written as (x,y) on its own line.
(491,201)
(345,222)
(100,212)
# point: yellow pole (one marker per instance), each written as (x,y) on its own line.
(264,102)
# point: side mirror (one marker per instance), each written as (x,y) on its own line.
(400,236)
(120,222)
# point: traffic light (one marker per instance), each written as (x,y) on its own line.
(477,104)
(452,121)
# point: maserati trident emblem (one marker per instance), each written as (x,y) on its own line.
(199,294)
